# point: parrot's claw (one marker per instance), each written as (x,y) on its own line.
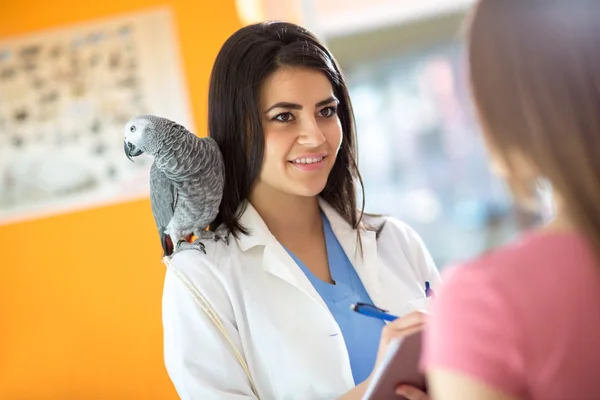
(209,235)
(197,244)
(216,237)
(185,245)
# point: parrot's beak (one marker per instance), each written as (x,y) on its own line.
(130,150)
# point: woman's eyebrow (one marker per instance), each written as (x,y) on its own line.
(293,106)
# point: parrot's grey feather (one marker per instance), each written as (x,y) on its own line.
(163,199)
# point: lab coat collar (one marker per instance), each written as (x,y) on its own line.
(258,232)
(278,262)
(260,235)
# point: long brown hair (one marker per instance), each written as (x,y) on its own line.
(535,78)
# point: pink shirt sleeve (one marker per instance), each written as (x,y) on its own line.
(473,331)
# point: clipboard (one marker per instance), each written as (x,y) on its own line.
(400,365)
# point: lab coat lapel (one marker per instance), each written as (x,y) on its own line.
(278,262)
(275,259)
(366,265)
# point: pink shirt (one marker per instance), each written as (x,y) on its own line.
(524,319)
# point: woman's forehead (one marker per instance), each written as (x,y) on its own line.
(298,85)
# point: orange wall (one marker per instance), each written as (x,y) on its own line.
(80,293)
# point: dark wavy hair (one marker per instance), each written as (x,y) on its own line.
(248,57)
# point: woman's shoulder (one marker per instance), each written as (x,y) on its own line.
(398,241)
(392,229)
(214,261)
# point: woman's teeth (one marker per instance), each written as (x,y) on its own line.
(307,160)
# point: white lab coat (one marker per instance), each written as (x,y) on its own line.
(279,323)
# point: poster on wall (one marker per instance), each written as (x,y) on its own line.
(65,96)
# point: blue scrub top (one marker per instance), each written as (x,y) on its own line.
(360,333)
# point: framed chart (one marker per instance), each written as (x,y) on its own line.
(65,96)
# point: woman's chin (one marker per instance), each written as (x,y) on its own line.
(311,189)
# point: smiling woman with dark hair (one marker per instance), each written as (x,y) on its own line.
(301,251)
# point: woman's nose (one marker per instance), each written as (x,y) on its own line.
(311,134)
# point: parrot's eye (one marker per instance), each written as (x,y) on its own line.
(132,129)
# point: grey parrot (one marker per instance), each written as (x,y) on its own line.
(186,180)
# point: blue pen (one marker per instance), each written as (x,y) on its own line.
(372,311)
(428,290)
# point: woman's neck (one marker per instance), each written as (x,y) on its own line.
(286,214)
(560,221)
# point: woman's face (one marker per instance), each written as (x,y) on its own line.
(302,131)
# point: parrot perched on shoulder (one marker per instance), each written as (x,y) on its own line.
(186,180)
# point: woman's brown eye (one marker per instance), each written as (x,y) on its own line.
(283,117)
(328,111)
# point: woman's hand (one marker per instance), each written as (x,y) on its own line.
(405,326)
(411,393)
(402,327)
